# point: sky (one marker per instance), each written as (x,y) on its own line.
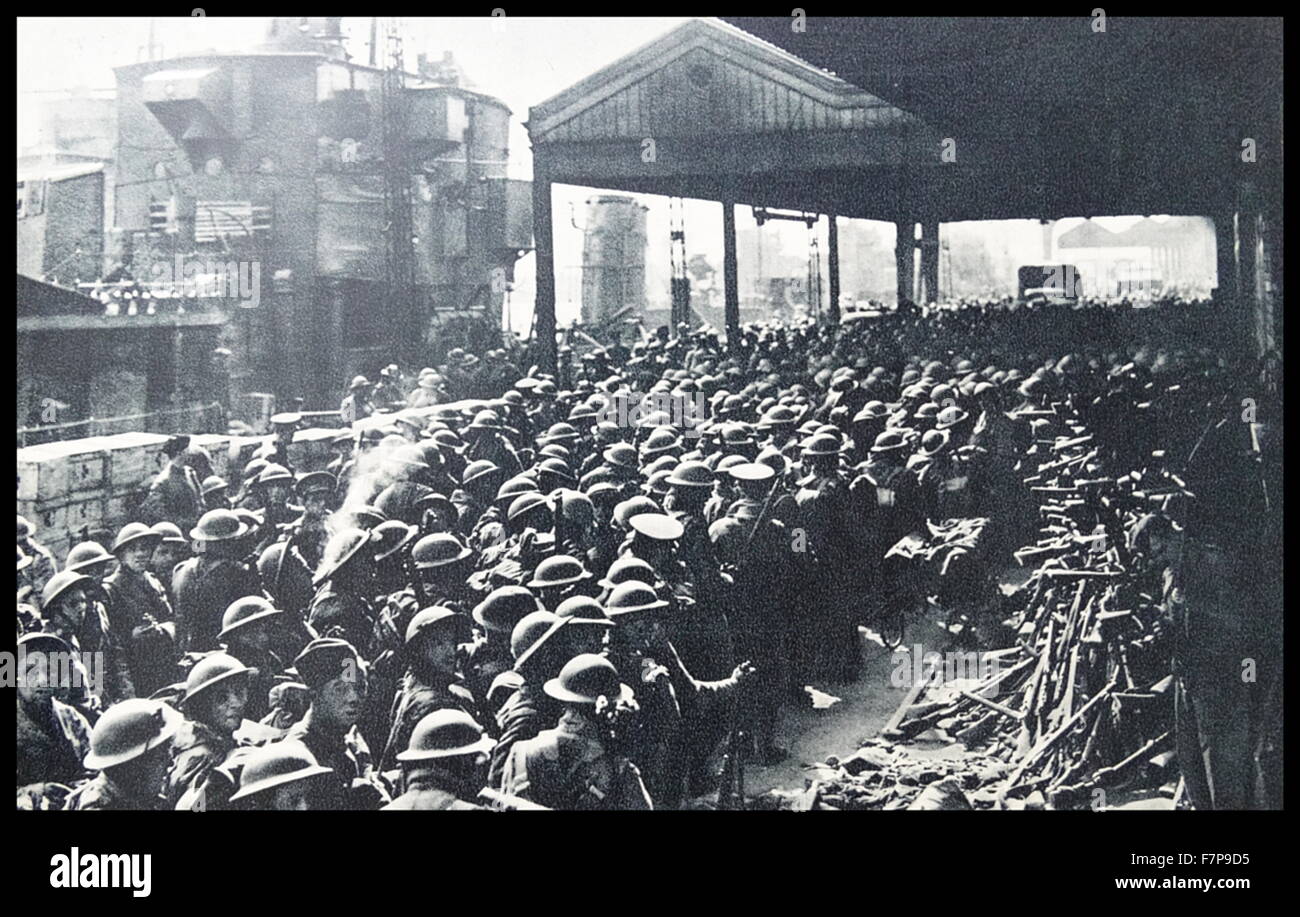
(521,60)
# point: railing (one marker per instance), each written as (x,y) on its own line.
(208,418)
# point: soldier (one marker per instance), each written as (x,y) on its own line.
(173,548)
(445,764)
(175,495)
(72,611)
(216,695)
(282,777)
(247,630)
(356,404)
(336,678)
(310,532)
(43,566)
(538,657)
(830,645)
(496,617)
(53,737)
(558,578)
(389,392)
(138,611)
(206,584)
(215,492)
(431,681)
(274,484)
(573,766)
(130,746)
(478,485)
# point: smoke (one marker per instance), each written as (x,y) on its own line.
(374,470)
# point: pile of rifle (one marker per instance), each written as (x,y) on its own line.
(1075,705)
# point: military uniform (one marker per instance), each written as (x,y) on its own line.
(349,757)
(205,587)
(420,796)
(525,713)
(417,700)
(175,496)
(196,750)
(52,743)
(568,768)
(137,606)
(103,795)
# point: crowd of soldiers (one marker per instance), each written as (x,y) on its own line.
(581,589)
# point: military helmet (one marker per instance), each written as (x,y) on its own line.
(527,502)
(621,454)
(445,734)
(633,506)
(317,482)
(325,659)
(435,617)
(577,508)
(889,440)
(276,765)
(933,441)
(438,550)
(561,570)
(559,432)
(505,607)
(274,474)
(530,628)
(219,525)
(128,730)
(558,468)
(627,568)
(87,556)
(585,679)
(60,583)
(582,609)
(133,532)
(242,612)
(512,488)
(170,533)
(477,469)
(692,474)
(210,670)
(821,444)
(285,574)
(389,537)
(950,417)
(555,450)
(660,440)
(633,596)
(343,548)
(212,483)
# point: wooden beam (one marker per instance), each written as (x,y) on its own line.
(544,304)
(730,282)
(833,268)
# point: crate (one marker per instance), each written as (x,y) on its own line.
(119,509)
(133,459)
(63,515)
(312,449)
(53,471)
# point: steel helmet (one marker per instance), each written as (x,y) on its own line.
(133,532)
(582,609)
(661,439)
(558,468)
(527,502)
(128,730)
(627,568)
(276,765)
(512,488)
(561,570)
(438,550)
(821,444)
(634,506)
(950,417)
(213,483)
(559,432)
(933,441)
(60,583)
(577,508)
(505,607)
(274,474)
(210,670)
(585,679)
(446,734)
(219,525)
(530,629)
(389,537)
(170,533)
(556,451)
(621,454)
(434,618)
(729,461)
(285,574)
(692,474)
(341,551)
(87,555)
(245,611)
(889,440)
(477,469)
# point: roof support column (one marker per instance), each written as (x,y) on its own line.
(1247,240)
(930,260)
(1225,249)
(833,267)
(544,304)
(904,255)
(730,282)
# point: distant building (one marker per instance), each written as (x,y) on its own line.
(274,158)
